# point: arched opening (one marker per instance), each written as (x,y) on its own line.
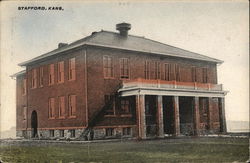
(34,124)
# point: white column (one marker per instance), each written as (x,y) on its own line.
(141,121)
(223,115)
(160,116)
(176,116)
(196,116)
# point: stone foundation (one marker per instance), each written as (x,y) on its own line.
(99,133)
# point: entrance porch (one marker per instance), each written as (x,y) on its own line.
(165,108)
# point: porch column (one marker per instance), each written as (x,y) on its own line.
(160,116)
(196,116)
(223,124)
(141,121)
(176,116)
(210,108)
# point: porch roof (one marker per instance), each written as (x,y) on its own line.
(170,88)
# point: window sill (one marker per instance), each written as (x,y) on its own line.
(110,115)
(125,78)
(126,115)
(71,117)
(61,118)
(52,118)
(109,78)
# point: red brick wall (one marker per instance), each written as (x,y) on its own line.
(97,86)
(214,114)
(38,97)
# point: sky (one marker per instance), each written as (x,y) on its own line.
(218,29)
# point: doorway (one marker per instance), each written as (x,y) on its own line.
(168,115)
(186,109)
(34,124)
(150,115)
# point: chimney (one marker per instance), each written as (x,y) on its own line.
(123,28)
(61,45)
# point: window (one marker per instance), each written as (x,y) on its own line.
(204,75)
(177,72)
(24,133)
(125,107)
(51,74)
(172,72)
(24,88)
(34,79)
(109,102)
(72,133)
(194,74)
(203,109)
(124,68)
(166,72)
(61,133)
(40,76)
(24,113)
(51,133)
(109,132)
(155,70)
(51,107)
(60,75)
(72,105)
(126,131)
(72,69)
(108,67)
(146,69)
(61,107)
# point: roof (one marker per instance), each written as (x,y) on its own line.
(131,42)
(18,73)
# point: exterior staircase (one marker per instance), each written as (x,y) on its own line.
(87,134)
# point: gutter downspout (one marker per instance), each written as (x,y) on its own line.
(27,107)
(86,86)
(139,112)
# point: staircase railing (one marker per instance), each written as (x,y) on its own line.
(96,117)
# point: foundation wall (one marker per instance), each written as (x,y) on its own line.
(99,133)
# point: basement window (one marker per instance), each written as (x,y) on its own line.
(126,131)
(61,132)
(51,133)
(109,131)
(72,133)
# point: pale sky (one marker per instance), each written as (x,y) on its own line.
(216,29)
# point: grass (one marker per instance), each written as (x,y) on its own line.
(165,150)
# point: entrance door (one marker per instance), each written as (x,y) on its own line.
(33,124)
(150,115)
(186,108)
(168,114)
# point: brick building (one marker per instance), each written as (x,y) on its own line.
(118,85)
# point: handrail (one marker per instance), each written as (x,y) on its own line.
(97,115)
(139,82)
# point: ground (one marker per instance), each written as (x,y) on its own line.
(126,151)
